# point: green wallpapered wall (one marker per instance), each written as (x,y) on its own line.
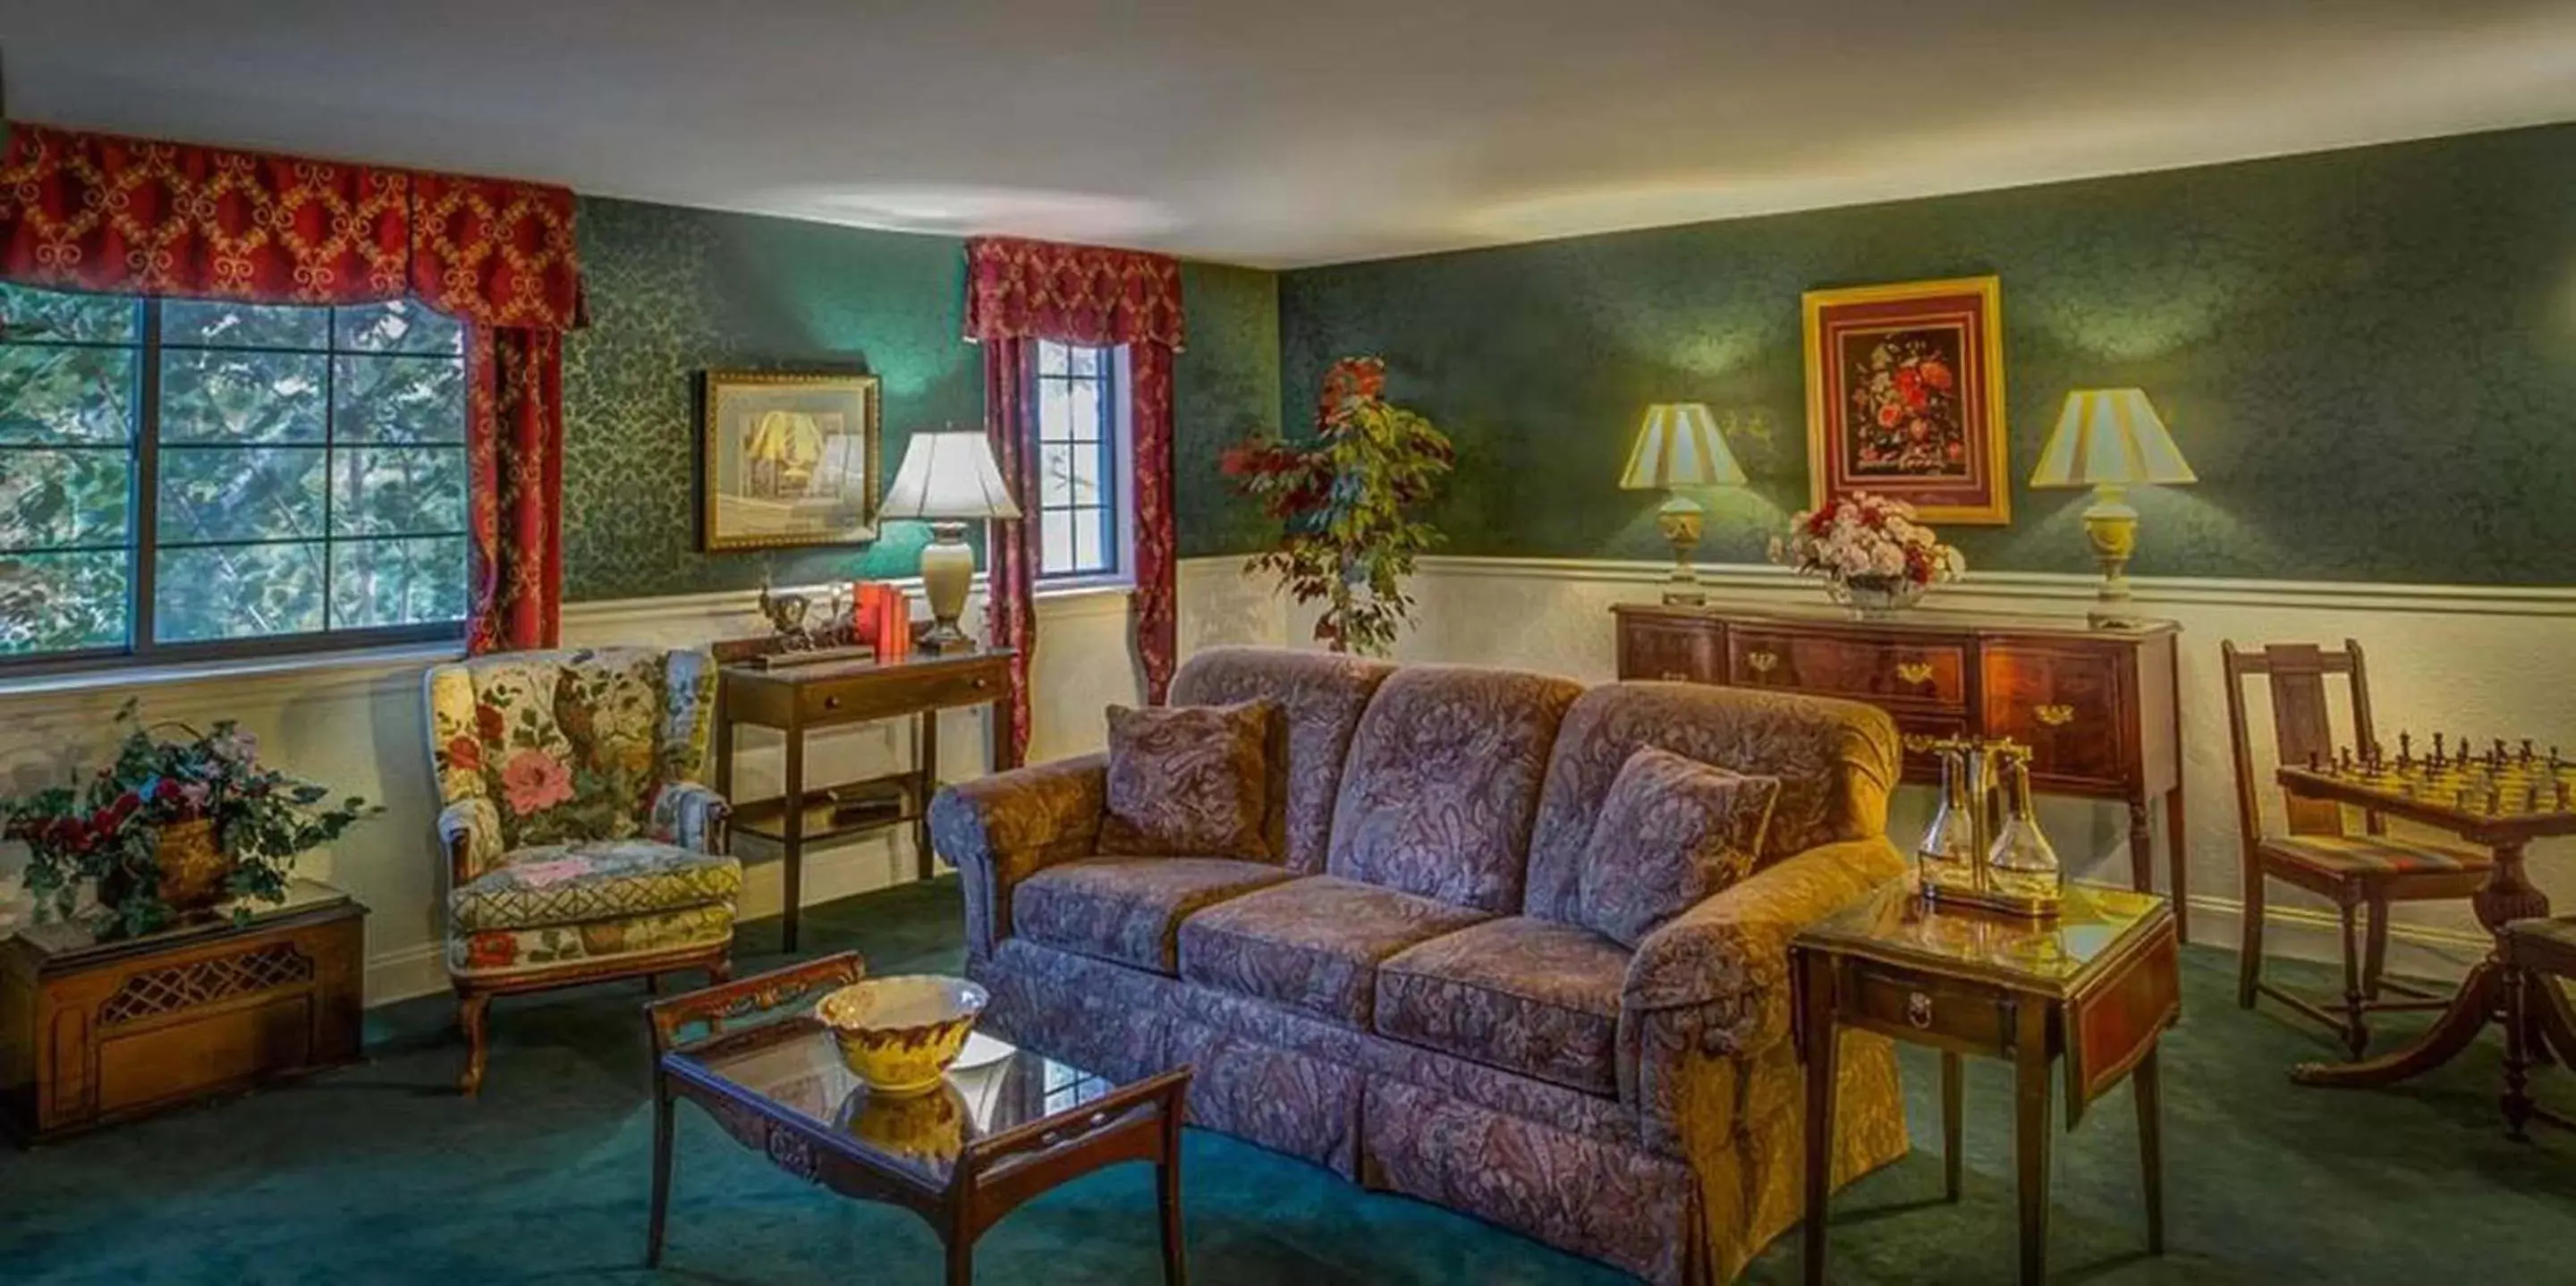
(674,292)
(2369,357)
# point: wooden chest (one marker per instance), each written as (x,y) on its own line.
(95,1032)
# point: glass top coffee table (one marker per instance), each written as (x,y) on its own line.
(1006,1125)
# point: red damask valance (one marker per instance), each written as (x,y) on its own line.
(1022,289)
(132,216)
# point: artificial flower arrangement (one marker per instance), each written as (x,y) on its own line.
(1344,504)
(1869,551)
(172,826)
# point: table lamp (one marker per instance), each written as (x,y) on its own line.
(948,479)
(2110,439)
(1679,446)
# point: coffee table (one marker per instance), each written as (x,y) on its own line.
(1007,1125)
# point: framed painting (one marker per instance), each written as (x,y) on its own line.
(1905,397)
(788,459)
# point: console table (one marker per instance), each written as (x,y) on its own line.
(796,699)
(2099,708)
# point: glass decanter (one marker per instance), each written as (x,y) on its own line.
(1947,854)
(2021,864)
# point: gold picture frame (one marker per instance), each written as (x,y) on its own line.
(1905,397)
(788,459)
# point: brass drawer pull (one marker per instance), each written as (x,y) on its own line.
(1761,662)
(1918,1010)
(1917,672)
(1675,676)
(2055,716)
(1919,743)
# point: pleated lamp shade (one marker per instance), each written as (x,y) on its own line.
(2109,436)
(949,475)
(1679,446)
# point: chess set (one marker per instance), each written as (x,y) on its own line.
(2495,782)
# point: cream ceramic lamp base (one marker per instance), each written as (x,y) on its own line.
(947,572)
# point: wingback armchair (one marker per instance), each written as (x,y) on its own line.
(580,845)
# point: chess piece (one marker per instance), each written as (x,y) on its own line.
(2405,749)
(2526,750)
(2313,764)
(2437,750)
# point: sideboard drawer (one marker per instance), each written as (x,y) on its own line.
(2070,705)
(1678,650)
(890,693)
(1931,672)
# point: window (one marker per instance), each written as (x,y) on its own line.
(1081,525)
(182,478)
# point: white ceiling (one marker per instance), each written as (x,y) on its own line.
(1289,132)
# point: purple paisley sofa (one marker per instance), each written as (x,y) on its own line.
(1405,997)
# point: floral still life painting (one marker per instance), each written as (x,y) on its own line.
(1905,397)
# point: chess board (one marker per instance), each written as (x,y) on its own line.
(2517,789)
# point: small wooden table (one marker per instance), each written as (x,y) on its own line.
(2507,895)
(991,1138)
(2096,986)
(797,699)
(93,1032)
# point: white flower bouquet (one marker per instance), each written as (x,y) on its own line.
(1870,551)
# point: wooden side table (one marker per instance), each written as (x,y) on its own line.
(93,1032)
(2095,987)
(799,699)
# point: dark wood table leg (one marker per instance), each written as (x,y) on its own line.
(661,1171)
(925,783)
(791,844)
(2142,846)
(2146,1083)
(1818,1036)
(961,1261)
(2521,1033)
(724,754)
(2178,862)
(2030,1135)
(1952,1075)
(1167,1196)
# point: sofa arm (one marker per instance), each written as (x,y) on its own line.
(1714,982)
(469,830)
(1002,829)
(689,815)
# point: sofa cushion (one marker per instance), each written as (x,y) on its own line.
(1529,996)
(1188,780)
(1836,761)
(557,884)
(1313,944)
(1320,696)
(1443,783)
(1126,909)
(1672,832)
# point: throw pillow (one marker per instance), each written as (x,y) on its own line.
(1671,832)
(1188,781)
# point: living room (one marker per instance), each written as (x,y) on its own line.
(1227,536)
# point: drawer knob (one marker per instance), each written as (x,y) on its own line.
(980,684)
(1917,672)
(1761,662)
(1675,676)
(2055,716)
(1918,1010)
(831,703)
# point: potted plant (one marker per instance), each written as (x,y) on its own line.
(1344,503)
(1871,553)
(170,828)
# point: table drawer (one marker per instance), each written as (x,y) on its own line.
(2071,705)
(1680,650)
(863,697)
(1900,1001)
(1929,673)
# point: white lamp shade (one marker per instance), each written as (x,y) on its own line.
(2113,436)
(949,475)
(1679,446)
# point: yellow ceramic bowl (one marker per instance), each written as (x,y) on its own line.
(901,1033)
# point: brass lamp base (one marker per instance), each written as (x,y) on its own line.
(1681,520)
(947,572)
(2112,526)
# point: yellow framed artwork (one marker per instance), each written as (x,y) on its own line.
(788,459)
(1905,397)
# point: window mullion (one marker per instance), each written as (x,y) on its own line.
(140,619)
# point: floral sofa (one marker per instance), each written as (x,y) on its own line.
(1404,997)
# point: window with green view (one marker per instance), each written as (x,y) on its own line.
(188,478)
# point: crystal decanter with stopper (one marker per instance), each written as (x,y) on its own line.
(2021,865)
(1948,853)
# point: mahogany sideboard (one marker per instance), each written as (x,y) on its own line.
(2099,708)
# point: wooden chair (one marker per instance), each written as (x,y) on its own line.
(2371,870)
(2539,952)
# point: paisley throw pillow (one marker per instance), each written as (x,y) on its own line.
(1671,832)
(1188,781)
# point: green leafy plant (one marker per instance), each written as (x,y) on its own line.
(105,833)
(1343,502)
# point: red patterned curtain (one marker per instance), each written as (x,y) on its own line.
(118,215)
(1019,291)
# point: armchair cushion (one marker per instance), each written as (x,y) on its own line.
(1313,944)
(1672,831)
(1188,780)
(1521,994)
(570,884)
(492,953)
(1129,909)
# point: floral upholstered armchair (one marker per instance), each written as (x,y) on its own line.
(580,844)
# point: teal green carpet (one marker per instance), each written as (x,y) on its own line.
(379,1174)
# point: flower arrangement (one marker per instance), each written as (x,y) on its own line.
(1342,502)
(1869,551)
(127,829)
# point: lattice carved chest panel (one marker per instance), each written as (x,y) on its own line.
(206,981)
